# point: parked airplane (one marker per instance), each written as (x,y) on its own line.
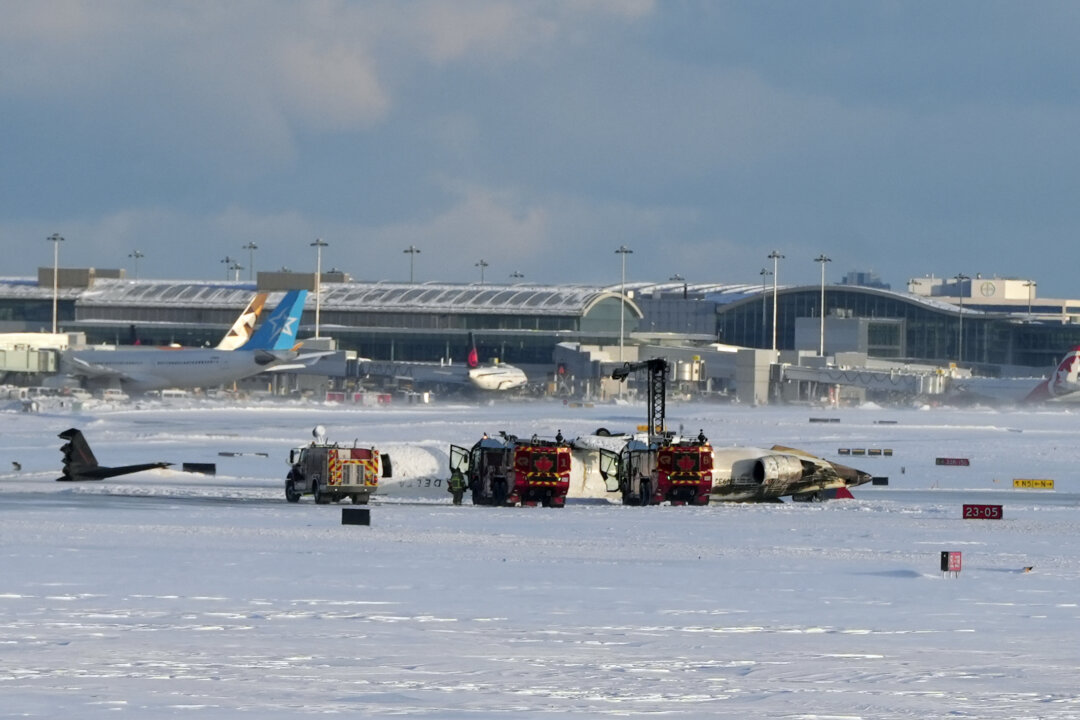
(494,377)
(1062,386)
(80,463)
(137,370)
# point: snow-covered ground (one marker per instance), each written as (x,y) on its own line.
(169,594)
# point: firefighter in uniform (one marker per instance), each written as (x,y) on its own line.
(456,485)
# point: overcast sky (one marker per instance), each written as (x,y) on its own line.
(904,138)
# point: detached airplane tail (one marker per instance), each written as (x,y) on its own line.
(77,454)
(80,463)
(244,326)
(278,331)
(1064,381)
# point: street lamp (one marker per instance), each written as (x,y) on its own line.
(623,251)
(228,263)
(482,264)
(1030,285)
(135,255)
(960,278)
(251,247)
(236,267)
(411,252)
(516,275)
(821,343)
(774,256)
(56,239)
(765,272)
(319,244)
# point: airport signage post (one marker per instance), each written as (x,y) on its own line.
(983,512)
(955,462)
(1033,483)
(950,562)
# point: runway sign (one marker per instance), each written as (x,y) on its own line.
(202,468)
(355,516)
(950,562)
(1033,484)
(825,420)
(983,512)
(955,462)
(879,480)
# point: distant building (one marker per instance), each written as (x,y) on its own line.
(866,278)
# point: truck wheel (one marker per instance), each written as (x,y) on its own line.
(290,492)
(359,499)
(321,498)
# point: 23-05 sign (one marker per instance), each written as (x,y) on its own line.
(983,512)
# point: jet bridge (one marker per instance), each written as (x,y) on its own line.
(895,380)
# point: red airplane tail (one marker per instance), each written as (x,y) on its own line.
(1065,380)
(473,359)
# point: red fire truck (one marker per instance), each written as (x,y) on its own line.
(650,472)
(507,470)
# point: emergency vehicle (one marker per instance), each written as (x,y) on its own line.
(652,471)
(507,470)
(660,467)
(330,472)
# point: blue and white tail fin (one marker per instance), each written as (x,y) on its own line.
(278,331)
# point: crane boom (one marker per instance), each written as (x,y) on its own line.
(658,369)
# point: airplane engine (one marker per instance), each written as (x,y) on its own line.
(770,469)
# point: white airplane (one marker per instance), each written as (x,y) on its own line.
(491,377)
(1063,386)
(138,369)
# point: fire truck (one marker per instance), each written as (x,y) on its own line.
(330,472)
(659,468)
(652,471)
(507,470)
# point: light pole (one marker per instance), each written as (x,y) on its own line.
(1030,285)
(960,278)
(135,255)
(56,239)
(516,275)
(228,263)
(236,267)
(411,252)
(319,244)
(821,343)
(623,251)
(251,247)
(774,256)
(482,264)
(765,272)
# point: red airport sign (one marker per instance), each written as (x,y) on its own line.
(983,512)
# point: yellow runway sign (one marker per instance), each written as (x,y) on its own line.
(1033,484)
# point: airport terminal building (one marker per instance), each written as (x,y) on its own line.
(981,322)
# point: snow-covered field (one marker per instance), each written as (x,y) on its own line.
(168,594)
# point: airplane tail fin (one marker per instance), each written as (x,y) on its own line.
(1065,380)
(77,454)
(244,326)
(278,331)
(473,359)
